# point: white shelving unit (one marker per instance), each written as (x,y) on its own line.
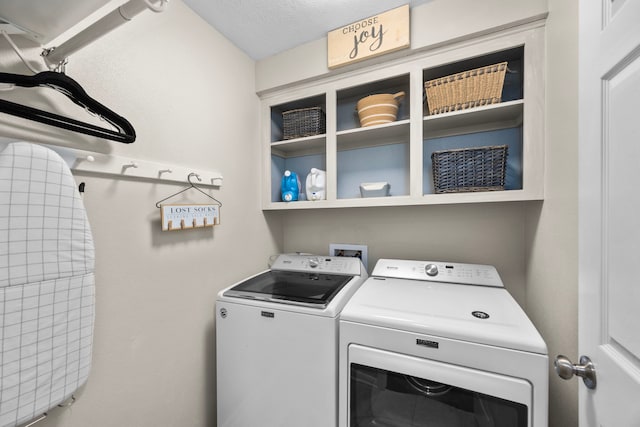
(399,152)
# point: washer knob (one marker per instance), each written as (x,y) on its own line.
(313,262)
(431,270)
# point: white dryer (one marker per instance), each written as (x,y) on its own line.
(427,344)
(277,342)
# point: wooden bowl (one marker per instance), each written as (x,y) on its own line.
(378,109)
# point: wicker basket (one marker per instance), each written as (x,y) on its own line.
(303,122)
(473,88)
(469,169)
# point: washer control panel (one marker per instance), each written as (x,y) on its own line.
(321,264)
(434,271)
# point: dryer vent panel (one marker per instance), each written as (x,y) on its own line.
(349,250)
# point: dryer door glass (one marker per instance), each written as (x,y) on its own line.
(383,398)
(290,287)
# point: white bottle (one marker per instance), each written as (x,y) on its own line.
(316,184)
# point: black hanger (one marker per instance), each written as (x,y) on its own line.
(191,185)
(72,89)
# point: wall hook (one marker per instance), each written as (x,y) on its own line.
(68,402)
(129,165)
(193,174)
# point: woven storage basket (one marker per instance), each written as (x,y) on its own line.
(303,122)
(469,169)
(473,88)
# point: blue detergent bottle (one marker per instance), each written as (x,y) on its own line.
(290,186)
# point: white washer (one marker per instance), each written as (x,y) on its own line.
(439,344)
(277,342)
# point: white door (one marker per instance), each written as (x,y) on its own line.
(609,230)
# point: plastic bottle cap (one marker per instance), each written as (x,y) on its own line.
(287,173)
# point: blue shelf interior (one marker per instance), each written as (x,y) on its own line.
(386,163)
(300,165)
(277,110)
(347,113)
(512,137)
(513,79)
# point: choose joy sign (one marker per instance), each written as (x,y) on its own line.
(369,37)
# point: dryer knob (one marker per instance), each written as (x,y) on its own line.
(431,270)
(313,262)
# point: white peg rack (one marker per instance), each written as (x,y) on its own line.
(124,167)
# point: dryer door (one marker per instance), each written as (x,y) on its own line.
(395,390)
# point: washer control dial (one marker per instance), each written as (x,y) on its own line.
(431,270)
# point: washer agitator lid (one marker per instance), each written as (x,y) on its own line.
(458,301)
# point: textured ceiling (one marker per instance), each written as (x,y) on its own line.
(262,28)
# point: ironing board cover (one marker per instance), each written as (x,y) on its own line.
(46,283)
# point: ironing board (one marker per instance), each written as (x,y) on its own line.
(47,288)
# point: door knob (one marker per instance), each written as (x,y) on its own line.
(586,370)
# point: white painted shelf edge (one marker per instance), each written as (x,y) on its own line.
(427,199)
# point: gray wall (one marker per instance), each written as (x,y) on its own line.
(189,92)
(552,231)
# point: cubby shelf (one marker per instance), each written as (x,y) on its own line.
(389,133)
(299,146)
(480,119)
(400,152)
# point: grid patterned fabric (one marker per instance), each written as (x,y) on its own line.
(47,289)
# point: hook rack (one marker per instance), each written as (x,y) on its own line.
(113,165)
(125,167)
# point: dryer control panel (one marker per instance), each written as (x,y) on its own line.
(435,271)
(320,264)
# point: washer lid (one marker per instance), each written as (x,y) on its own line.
(479,314)
(308,289)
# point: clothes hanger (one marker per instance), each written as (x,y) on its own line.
(191,185)
(66,85)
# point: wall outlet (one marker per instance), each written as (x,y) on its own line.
(343,249)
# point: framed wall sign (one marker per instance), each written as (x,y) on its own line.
(183,217)
(369,37)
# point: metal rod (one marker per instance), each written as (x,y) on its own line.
(53,57)
(18,52)
(42,417)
